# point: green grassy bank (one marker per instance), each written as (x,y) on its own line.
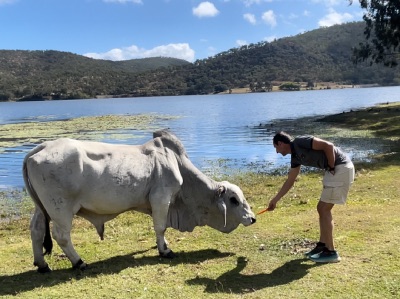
(261,261)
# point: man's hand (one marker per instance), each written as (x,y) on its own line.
(272,204)
(332,170)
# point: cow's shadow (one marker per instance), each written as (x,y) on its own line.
(27,281)
(235,282)
(231,281)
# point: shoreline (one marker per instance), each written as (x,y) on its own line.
(303,87)
(364,132)
(244,90)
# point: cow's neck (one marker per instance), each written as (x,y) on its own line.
(196,185)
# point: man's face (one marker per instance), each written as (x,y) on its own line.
(281,148)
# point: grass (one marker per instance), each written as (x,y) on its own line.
(261,261)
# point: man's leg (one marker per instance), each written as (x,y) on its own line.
(328,254)
(326,224)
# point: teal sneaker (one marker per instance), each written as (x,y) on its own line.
(317,249)
(326,256)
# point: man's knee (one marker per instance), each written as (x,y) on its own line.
(324,208)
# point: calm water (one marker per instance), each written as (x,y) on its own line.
(213,128)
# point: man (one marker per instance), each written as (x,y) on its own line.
(338,177)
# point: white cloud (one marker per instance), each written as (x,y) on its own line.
(212,51)
(306,13)
(205,9)
(241,42)
(123,1)
(250,18)
(4,2)
(181,51)
(269,18)
(270,38)
(251,2)
(328,3)
(333,18)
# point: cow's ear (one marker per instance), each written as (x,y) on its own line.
(221,190)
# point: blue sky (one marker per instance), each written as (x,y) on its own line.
(186,29)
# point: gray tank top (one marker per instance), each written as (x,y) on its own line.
(303,154)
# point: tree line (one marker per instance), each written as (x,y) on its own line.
(321,55)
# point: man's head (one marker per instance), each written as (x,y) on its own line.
(281,143)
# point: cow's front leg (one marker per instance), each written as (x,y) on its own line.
(62,234)
(160,206)
(162,244)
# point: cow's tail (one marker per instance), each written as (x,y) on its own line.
(47,241)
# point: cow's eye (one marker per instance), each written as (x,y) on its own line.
(234,201)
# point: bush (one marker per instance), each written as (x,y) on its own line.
(289,86)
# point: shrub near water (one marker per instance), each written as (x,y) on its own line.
(215,265)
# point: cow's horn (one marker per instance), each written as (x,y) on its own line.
(221,190)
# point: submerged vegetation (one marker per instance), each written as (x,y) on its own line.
(92,127)
(264,260)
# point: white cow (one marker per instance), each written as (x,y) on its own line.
(98,181)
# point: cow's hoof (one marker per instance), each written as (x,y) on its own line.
(45,269)
(168,255)
(80,265)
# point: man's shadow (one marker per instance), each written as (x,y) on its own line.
(235,282)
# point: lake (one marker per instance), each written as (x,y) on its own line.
(218,131)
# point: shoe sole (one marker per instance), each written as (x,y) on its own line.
(326,261)
(310,254)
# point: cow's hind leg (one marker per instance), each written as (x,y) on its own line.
(62,234)
(38,231)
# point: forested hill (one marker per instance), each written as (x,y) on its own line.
(54,74)
(322,55)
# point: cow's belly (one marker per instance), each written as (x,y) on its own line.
(113,199)
(116,190)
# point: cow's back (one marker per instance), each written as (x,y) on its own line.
(91,173)
(99,177)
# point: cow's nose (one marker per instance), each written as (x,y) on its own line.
(253,220)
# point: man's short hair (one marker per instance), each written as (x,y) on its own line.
(283,137)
